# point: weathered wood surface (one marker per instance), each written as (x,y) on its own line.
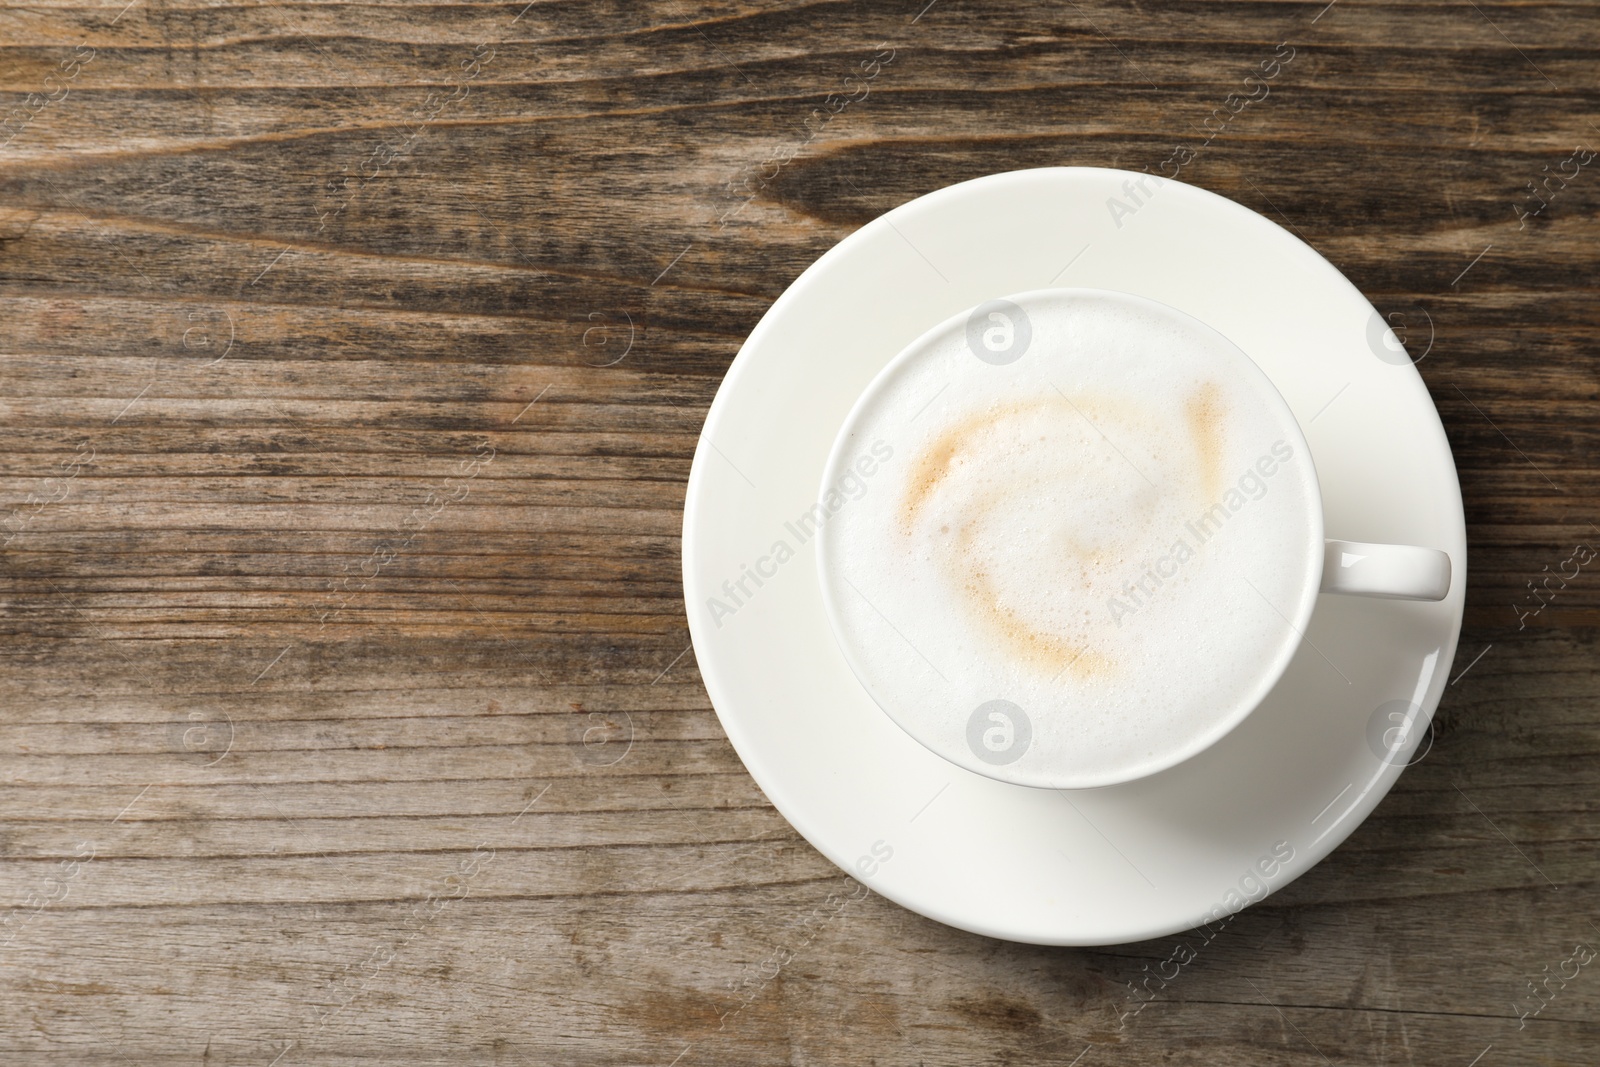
(293,638)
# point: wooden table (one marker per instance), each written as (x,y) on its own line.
(354,358)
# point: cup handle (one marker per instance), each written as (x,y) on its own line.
(1392,572)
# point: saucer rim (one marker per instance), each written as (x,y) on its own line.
(767,771)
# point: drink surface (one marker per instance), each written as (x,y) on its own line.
(1090,547)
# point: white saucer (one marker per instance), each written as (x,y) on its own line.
(1083,867)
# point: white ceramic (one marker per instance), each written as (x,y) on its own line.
(1123,862)
(902,661)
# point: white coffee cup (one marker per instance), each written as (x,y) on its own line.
(1101,546)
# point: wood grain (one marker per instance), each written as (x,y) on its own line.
(353,361)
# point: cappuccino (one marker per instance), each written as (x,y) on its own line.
(1091,555)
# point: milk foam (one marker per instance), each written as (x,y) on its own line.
(1112,533)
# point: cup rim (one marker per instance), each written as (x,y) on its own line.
(839,455)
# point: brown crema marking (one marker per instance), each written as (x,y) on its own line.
(939,459)
(1049,653)
(1046,652)
(943,455)
(1205,413)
